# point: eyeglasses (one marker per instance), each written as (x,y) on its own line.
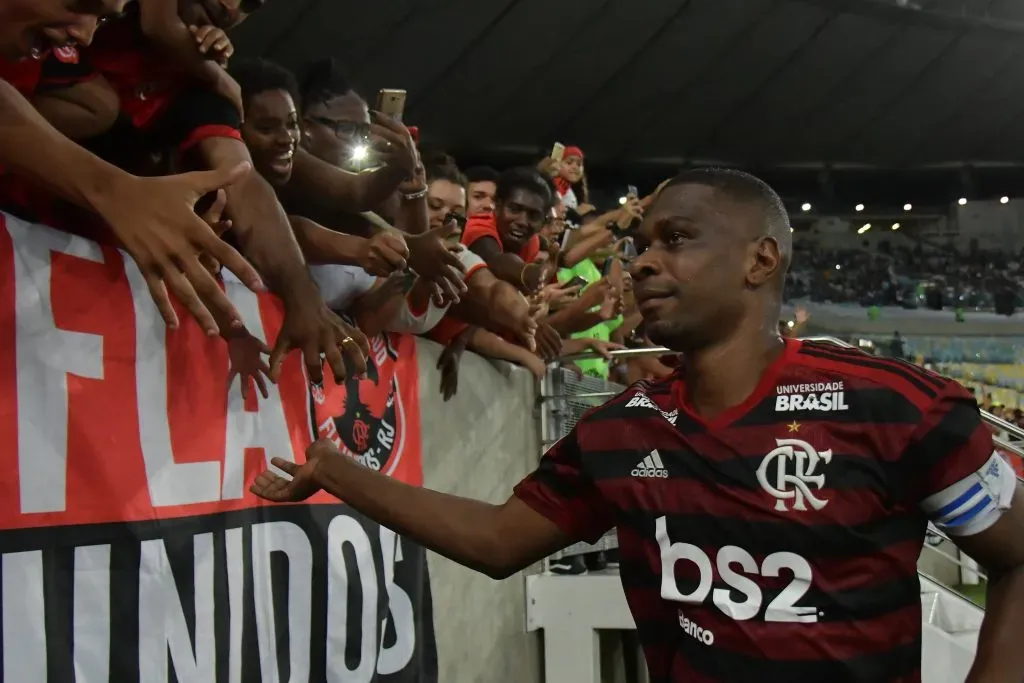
(343,129)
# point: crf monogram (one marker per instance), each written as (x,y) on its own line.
(789,472)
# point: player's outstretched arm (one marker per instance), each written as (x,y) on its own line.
(497,540)
(1000,549)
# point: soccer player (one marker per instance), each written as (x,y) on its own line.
(771,496)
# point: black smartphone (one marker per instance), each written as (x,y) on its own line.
(576,282)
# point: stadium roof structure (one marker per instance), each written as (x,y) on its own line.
(898,88)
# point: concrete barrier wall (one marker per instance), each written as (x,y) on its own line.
(479,444)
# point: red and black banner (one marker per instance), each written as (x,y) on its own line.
(130,547)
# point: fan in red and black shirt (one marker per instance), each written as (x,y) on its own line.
(74,99)
(771,497)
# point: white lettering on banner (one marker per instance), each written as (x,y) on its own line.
(782,609)
(162,626)
(234,551)
(266,429)
(290,539)
(170,482)
(344,530)
(826,402)
(45,357)
(395,658)
(92,613)
(22,594)
(796,463)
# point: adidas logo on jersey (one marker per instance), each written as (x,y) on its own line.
(651,467)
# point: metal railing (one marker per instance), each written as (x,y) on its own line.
(563,402)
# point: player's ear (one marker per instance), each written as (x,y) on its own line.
(764,262)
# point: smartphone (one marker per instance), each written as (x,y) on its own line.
(631,191)
(576,282)
(391,103)
(558,151)
(628,251)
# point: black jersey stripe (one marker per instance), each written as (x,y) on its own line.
(955,429)
(912,378)
(938,382)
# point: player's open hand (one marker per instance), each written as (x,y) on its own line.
(301,482)
(155,220)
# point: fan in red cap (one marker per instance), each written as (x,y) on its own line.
(571,181)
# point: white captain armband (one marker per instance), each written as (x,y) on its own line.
(974,503)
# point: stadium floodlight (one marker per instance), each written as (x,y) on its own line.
(908,206)
(1004,200)
(895,226)
(622,200)
(806,207)
(962,201)
(864,228)
(859,207)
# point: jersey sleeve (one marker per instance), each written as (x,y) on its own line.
(560,490)
(962,484)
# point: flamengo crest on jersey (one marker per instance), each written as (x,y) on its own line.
(824,397)
(789,472)
(974,503)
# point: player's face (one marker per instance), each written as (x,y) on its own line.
(30,27)
(690,279)
(271,132)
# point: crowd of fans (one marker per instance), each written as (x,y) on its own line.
(899,275)
(300,187)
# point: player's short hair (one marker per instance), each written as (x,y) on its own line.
(324,79)
(527,179)
(741,187)
(482,174)
(256,76)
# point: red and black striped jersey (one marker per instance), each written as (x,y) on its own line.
(779,540)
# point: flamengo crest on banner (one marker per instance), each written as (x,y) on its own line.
(130,545)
